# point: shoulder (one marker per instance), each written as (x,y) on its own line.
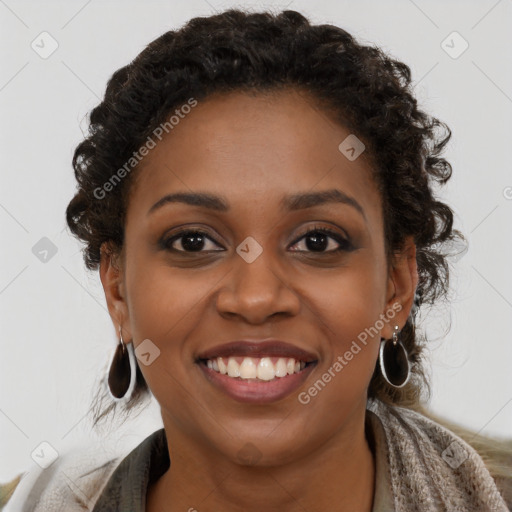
(73,482)
(495,453)
(432,455)
(7,489)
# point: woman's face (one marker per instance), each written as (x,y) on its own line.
(256,275)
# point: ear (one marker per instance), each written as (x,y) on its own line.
(112,279)
(402,283)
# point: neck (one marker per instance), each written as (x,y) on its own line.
(338,476)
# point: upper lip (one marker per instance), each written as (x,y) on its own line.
(262,348)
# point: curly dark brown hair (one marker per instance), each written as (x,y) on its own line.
(358,85)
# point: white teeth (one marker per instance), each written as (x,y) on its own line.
(252,368)
(233,368)
(266,370)
(281,370)
(222,366)
(248,369)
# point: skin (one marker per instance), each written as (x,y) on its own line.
(253,150)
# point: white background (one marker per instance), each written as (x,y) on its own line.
(56,335)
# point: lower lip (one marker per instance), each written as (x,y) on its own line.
(252,391)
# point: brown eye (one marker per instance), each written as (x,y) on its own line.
(190,241)
(324,240)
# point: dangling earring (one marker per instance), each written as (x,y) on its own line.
(121,377)
(394,361)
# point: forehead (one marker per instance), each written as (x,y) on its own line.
(253,148)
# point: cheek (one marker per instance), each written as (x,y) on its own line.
(165,308)
(349,299)
(347,307)
(162,298)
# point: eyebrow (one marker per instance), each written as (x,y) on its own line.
(291,203)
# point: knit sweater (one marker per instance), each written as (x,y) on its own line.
(420,466)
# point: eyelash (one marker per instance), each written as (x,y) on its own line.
(344,243)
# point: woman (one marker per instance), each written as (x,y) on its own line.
(257,195)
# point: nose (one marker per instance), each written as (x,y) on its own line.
(258,290)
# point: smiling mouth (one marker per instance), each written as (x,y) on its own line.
(256,369)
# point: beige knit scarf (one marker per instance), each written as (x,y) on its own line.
(432,469)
